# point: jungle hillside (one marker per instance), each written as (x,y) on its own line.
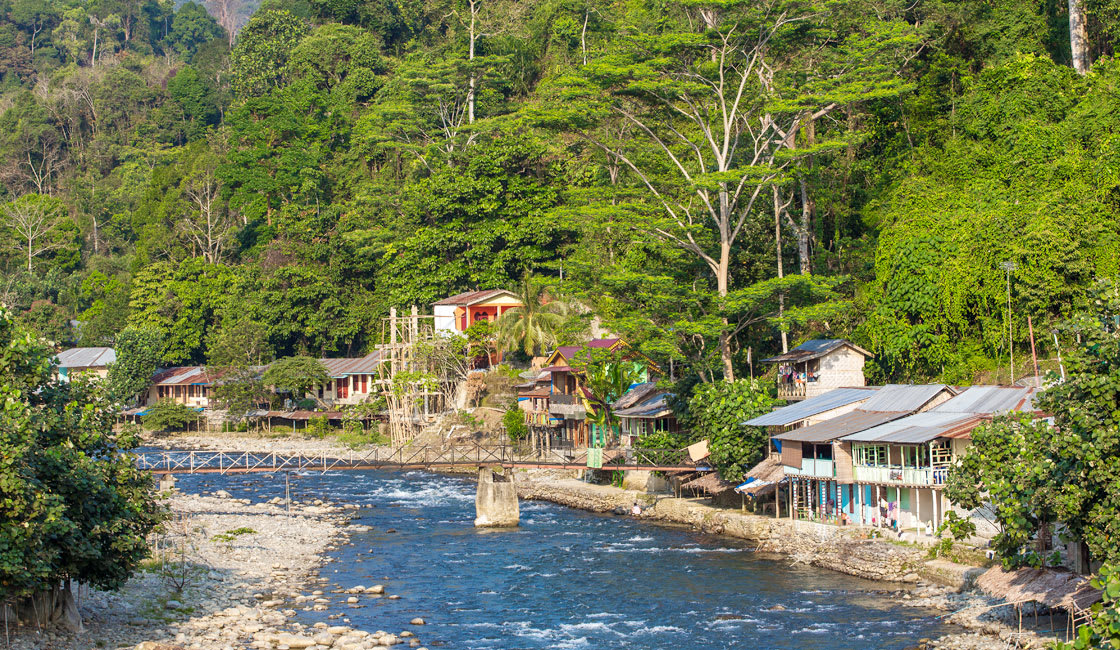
(713,181)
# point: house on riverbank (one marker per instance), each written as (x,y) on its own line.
(187,385)
(644,410)
(556,403)
(907,461)
(457,313)
(818,465)
(885,462)
(352,380)
(818,366)
(85,361)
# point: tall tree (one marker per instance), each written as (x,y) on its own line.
(35,221)
(138,352)
(75,507)
(718,119)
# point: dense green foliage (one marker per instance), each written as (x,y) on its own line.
(279,191)
(1037,475)
(137,360)
(714,412)
(514,422)
(72,506)
(296,375)
(169,415)
(1103,631)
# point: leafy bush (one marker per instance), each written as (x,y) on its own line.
(715,411)
(514,422)
(318,426)
(1103,631)
(167,415)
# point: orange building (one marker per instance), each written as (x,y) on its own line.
(457,313)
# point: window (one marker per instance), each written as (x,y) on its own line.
(915,456)
(871,455)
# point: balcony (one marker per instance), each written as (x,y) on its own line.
(791,392)
(818,467)
(567,406)
(541,419)
(900,475)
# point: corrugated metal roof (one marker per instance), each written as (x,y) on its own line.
(840,426)
(637,394)
(991,400)
(86,357)
(569,351)
(366,365)
(815,349)
(918,428)
(654,407)
(472,297)
(806,409)
(907,398)
(181,376)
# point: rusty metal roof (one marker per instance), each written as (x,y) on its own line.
(919,428)
(86,357)
(840,426)
(638,393)
(806,409)
(367,365)
(473,297)
(653,407)
(181,376)
(569,351)
(815,349)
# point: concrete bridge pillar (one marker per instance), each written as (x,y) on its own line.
(495,503)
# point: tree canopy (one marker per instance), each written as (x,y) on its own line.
(714,181)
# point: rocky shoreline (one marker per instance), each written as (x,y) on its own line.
(230,573)
(933,584)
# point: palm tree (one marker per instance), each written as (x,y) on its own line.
(535,325)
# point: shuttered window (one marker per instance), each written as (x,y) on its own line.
(791,453)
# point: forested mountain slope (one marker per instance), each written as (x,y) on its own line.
(704,176)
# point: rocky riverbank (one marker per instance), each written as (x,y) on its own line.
(840,549)
(230,573)
(934,584)
(931,584)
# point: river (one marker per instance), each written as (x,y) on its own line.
(571,579)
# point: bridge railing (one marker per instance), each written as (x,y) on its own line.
(415,456)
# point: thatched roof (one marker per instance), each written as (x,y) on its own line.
(710,483)
(1052,588)
(763,477)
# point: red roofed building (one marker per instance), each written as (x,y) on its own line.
(457,313)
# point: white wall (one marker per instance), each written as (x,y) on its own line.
(444,318)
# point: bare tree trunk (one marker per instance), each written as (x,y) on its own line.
(470,57)
(804,262)
(781,270)
(583,35)
(1078,39)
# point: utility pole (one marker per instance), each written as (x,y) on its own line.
(1008,267)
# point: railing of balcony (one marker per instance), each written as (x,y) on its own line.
(900,475)
(791,391)
(814,467)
